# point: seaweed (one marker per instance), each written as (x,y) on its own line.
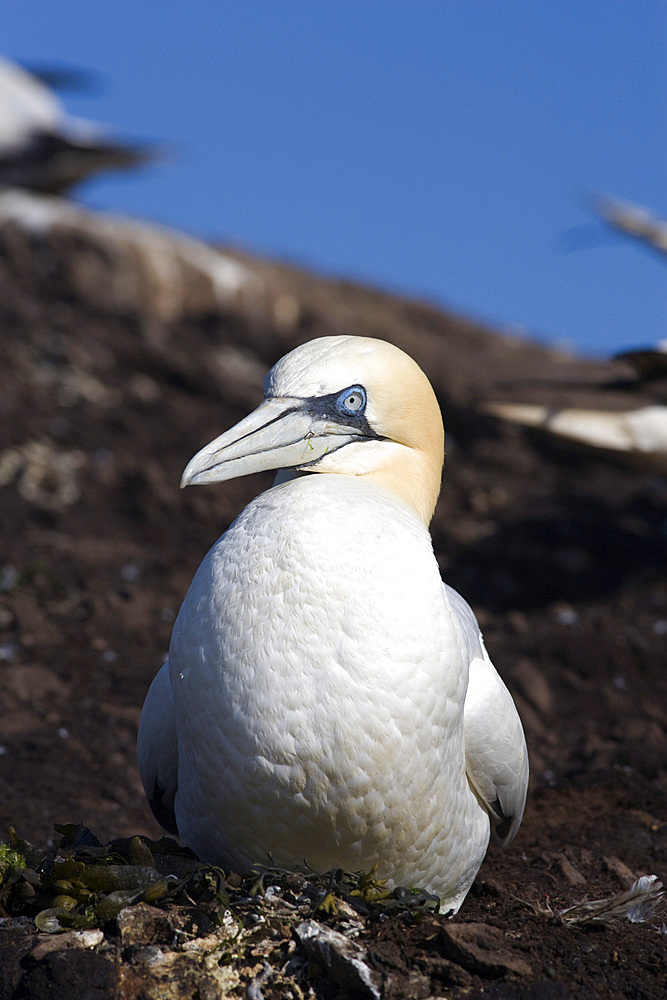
(81,883)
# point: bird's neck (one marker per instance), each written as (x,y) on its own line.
(414,477)
(415,480)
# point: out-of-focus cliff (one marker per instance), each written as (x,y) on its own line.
(123,349)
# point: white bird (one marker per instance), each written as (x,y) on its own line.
(42,148)
(638,436)
(634,220)
(327,698)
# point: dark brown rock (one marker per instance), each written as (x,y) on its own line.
(483,950)
(145,925)
(68,972)
(344,960)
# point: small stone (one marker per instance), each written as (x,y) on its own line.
(482,950)
(566,615)
(130,572)
(7,617)
(533,685)
(567,869)
(344,960)
(89,938)
(45,944)
(144,925)
(616,867)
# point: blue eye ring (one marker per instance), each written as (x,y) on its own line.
(352,401)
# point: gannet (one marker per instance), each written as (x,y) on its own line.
(327,699)
(638,435)
(45,149)
(635,221)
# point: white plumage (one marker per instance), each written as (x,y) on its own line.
(327,699)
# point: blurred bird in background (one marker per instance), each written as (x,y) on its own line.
(632,432)
(44,149)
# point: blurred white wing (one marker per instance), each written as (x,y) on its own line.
(26,107)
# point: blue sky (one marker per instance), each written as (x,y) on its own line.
(444,149)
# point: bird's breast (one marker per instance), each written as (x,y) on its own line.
(322,589)
(316,667)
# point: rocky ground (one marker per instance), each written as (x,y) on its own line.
(123,350)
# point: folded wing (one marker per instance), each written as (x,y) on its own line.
(157,750)
(496,753)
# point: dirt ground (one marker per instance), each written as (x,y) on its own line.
(107,393)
